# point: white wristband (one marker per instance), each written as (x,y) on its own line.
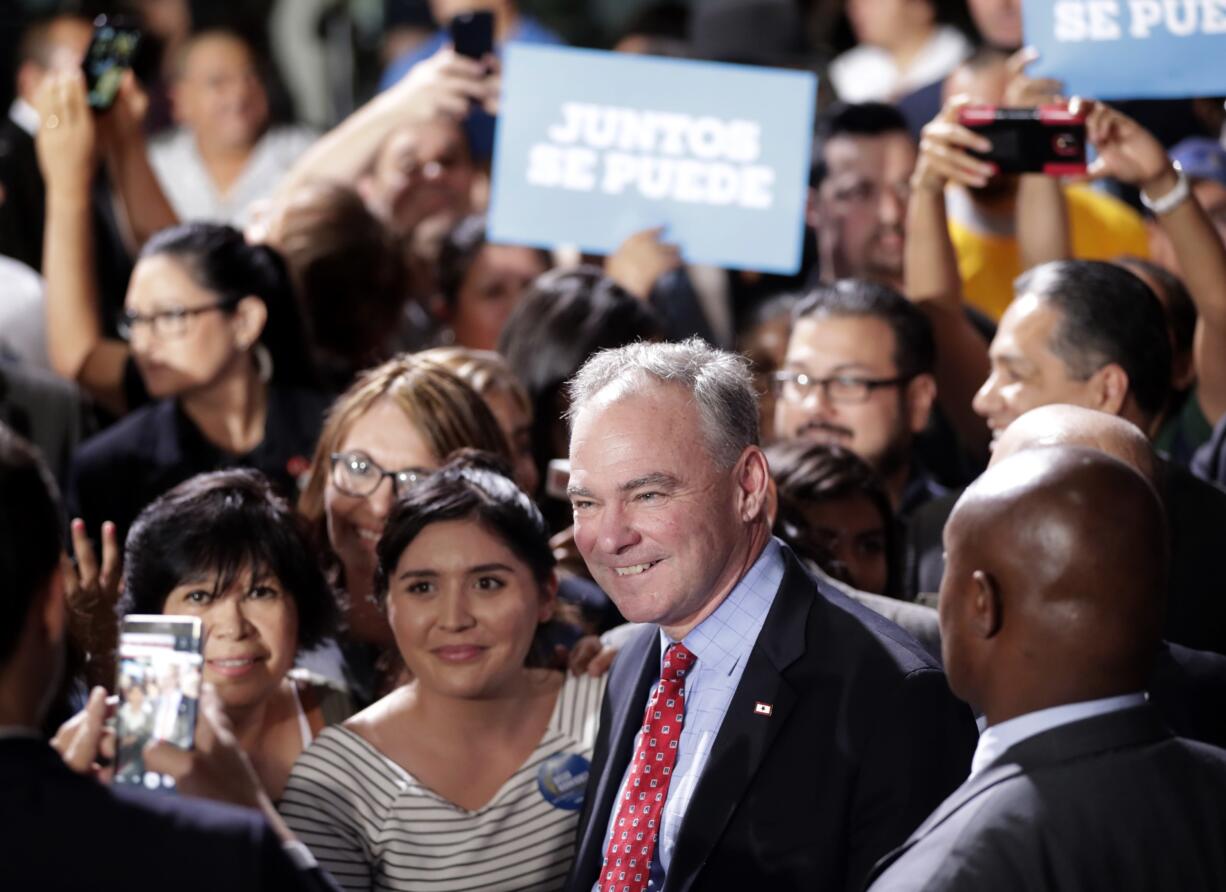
(1172,199)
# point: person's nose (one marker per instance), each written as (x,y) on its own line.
(817,402)
(455,613)
(226,619)
(140,337)
(987,398)
(615,532)
(381,500)
(891,208)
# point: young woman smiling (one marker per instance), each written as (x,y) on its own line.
(398,422)
(471,775)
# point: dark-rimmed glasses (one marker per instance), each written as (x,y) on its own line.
(357,474)
(795,386)
(167,323)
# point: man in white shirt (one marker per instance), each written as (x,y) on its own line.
(223,156)
(1051,616)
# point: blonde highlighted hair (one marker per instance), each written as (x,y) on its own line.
(449,414)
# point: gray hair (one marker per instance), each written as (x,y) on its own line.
(719,383)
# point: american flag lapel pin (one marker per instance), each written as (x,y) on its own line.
(760,708)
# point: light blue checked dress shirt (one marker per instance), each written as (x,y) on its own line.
(722,643)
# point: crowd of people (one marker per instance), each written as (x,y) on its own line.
(524,569)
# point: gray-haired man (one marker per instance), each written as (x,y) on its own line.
(791,737)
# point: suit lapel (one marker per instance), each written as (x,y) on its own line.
(1129,727)
(628,699)
(745,737)
(982,782)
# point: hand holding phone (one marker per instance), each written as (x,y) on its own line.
(109,55)
(160,667)
(1048,139)
(472,34)
(216,768)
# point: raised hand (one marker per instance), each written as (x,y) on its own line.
(1126,150)
(85,743)
(217,768)
(92,593)
(1023,91)
(944,155)
(66,141)
(640,261)
(446,85)
(121,126)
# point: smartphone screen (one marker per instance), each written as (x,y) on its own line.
(1048,139)
(472,33)
(108,57)
(160,667)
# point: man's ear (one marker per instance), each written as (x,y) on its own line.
(986,614)
(1109,389)
(754,487)
(921,394)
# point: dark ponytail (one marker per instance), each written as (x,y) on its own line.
(218,258)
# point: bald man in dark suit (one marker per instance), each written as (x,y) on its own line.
(1050,624)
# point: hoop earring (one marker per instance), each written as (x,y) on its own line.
(263,362)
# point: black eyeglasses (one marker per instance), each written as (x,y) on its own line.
(357,474)
(172,323)
(795,386)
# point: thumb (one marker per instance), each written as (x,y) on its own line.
(82,746)
(166,758)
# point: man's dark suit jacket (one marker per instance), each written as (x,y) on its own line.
(1196,513)
(864,740)
(1111,803)
(61,831)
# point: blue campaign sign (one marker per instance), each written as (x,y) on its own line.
(1130,49)
(592,147)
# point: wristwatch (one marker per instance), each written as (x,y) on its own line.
(1166,203)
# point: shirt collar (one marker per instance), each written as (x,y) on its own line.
(24,115)
(718,642)
(999,738)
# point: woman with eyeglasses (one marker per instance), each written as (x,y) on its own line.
(471,776)
(397,423)
(213,332)
(213,369)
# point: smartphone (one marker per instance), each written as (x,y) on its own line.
(557,478)
(160,666)
(109,55)
(1048,139)
(472,34)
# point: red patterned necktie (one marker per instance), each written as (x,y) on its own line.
(636,827)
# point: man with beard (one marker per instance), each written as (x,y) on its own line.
(861,185)
(858,373)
